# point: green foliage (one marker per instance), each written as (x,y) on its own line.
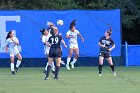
(129,9)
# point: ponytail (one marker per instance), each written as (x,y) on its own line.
(8,35)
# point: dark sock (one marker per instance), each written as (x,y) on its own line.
(112,68)
(100,69)
(57,71)
(48,70)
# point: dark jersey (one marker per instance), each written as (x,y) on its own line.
(55,41)
(107,42)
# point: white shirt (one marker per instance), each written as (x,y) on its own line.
(46,38)
(74,34)
(11,44)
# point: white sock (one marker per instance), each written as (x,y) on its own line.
(53,67)
(74,60)
(18,63)
(12,66)
(46,66)
(68,60)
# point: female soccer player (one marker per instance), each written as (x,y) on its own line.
(11,45)
(105,42)
(45,37)
(73,44)
(55,52)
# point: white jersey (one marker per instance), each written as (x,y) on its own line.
(74,34)
(44,40)
(12,46)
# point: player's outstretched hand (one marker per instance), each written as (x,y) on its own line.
(83,40)
(110,50)
(65,46)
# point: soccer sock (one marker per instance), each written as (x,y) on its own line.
(48,70)
(53,67)
(100,69)
(18,63)
(12,66)
(57,71)
(112,68)
(74,60)
(46,66)
(68,60)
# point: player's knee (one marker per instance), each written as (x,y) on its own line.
(20,59)
(100,63)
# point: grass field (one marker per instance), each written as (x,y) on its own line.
(79,80)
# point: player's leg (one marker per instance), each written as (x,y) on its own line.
(109,59)
(53,67)
(50,60)
(12,63)
(62,62)
(75,58)
(101,59)
(18,55)
(69,58)
(57,68)
(47,54)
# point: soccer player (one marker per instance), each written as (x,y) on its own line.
(45,37)
(106,45)
(73,44)
(11,46)
(55,52)
(51,26)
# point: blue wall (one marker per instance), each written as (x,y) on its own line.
(90,23)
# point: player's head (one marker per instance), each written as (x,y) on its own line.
(72,28)
(10,34)
(72,25)
(44,31)
(108,33)
(55,30)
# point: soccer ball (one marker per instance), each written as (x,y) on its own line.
(60,22)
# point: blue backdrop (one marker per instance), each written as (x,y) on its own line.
(92,24)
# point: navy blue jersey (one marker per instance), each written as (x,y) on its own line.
(55,41)
(107,42)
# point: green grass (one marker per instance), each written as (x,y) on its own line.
(79,80)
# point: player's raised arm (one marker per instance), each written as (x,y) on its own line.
(81,37)
(63,42)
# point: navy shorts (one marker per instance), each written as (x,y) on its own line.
(105,54)
(55,52)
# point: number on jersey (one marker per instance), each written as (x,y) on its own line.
(55,40)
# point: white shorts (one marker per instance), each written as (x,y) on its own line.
(13,52)
(46,50)
(73,46)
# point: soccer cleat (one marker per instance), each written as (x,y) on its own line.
(13,73)
(100,74)
(46,78)
(56,78)
(62,62)
(16,69)
(114,73)
(67,66)
(72,65)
